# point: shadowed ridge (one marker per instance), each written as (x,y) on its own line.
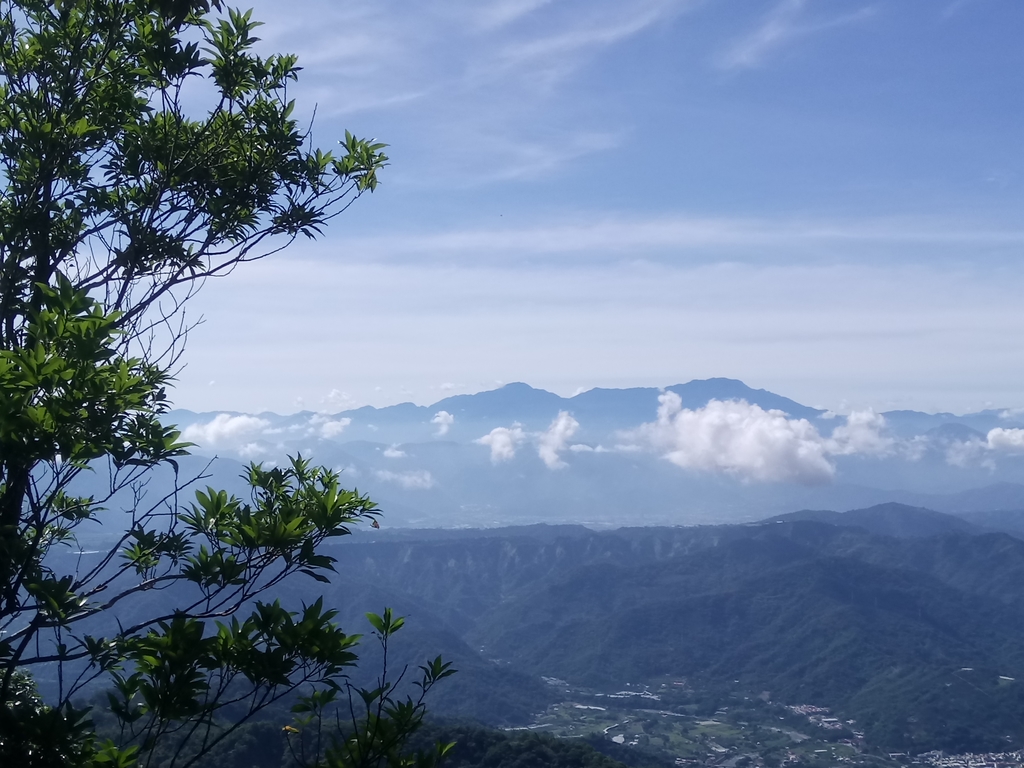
(901,521)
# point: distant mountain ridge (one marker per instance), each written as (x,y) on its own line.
(601,414)
(520,402)
(905,521)
(632,405)
(490,458)
(890,519)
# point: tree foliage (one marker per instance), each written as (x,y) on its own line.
(478,747)
(146,146)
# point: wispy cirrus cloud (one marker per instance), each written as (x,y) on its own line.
(555,50)
(734,238)
(493,15)
(953,8)
(785,23)
(488,77)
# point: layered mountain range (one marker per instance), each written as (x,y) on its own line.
(904,619)
(904,614)
(710,450)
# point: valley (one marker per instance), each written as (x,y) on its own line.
(915,638)
(671,726)
(880,636)
(669,723)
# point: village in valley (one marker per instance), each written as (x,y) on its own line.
(664,720)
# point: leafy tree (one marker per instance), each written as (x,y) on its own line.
(477,747)
(144,147)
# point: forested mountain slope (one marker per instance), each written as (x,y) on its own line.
(909,636)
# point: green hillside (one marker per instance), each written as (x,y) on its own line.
(877,627)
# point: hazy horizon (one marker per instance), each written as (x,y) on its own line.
(822,200)
(435,395)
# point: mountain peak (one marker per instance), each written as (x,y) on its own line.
(901,521)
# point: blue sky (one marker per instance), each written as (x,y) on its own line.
(822,198)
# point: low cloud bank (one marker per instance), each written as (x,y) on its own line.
(731,436)
(725,436)
(417,480)
(225,430)
(241,433)
(964,453)
(327,427)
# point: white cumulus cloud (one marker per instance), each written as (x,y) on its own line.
(394,452)
(556,439)
(417,480)
(444,421)
(1008,440)
(503,442)
(737,437)
(225,430)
